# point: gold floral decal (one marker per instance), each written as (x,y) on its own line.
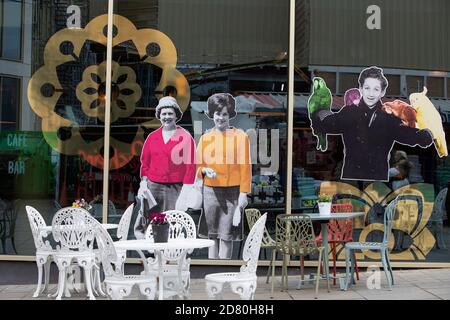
(123,99)
(412,214)
(49,88)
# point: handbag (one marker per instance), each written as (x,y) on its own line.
(192,197)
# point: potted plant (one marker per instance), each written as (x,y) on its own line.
(324,204)
(160,226)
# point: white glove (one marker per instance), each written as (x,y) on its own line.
(242,201)
(210,173)
(144,193)
(237,216)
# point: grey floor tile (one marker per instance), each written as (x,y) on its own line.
(440,292)
(12,296)
(396,294)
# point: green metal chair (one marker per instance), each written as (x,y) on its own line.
(295,237)
(268,242)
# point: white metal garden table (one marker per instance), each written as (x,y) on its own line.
(159,247)
(104,225)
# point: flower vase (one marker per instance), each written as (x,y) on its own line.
(324,208)
(160,232)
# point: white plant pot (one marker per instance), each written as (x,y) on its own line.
(324,208)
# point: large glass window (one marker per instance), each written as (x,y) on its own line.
(11,29)
(49,157)
(436,87)
(10,103)
(200,49)
(53,116)
(346,131)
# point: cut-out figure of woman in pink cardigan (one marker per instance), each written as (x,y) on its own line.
(168,158)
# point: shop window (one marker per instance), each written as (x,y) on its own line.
(394,86)
(347,81)
(330,79)
(448,88)
(414,84)
(10,98)
(11,29)
(435,87)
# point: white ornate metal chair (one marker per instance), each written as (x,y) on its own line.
(74,229)
(376,246)
(119,285)
(244,282)
(44,250)
(267,242)
(122,234)
(181,226)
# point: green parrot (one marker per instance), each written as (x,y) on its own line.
(320,99)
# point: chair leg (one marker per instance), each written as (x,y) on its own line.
(118,292)
(270,265)
(245,290)
(326,272)
(390,268)
(333,247)
(88,265)
(61,282)
(273,272)
(47,274)
(39,266)
(386,268)
(356,266)
(286,277)
(98,283)
(214,290)
(347,268)
(302,267)
(352,266)
(148,290)
(318,274)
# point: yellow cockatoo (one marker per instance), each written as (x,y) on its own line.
(429,118)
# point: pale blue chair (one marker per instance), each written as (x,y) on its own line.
(375,246)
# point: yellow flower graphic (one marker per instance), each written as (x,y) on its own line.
(125,92)
(68,90)
(412,214)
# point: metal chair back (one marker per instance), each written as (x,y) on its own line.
(252,216)
(389,220)
(124,224)
(37,223)
(295,235)
(252,246)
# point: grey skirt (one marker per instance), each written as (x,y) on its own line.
(166,195)
(216,221)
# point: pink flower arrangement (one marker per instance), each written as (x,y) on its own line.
(157,218)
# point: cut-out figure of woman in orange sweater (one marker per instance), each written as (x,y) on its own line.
(223,157)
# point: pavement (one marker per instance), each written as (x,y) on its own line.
(412,284)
